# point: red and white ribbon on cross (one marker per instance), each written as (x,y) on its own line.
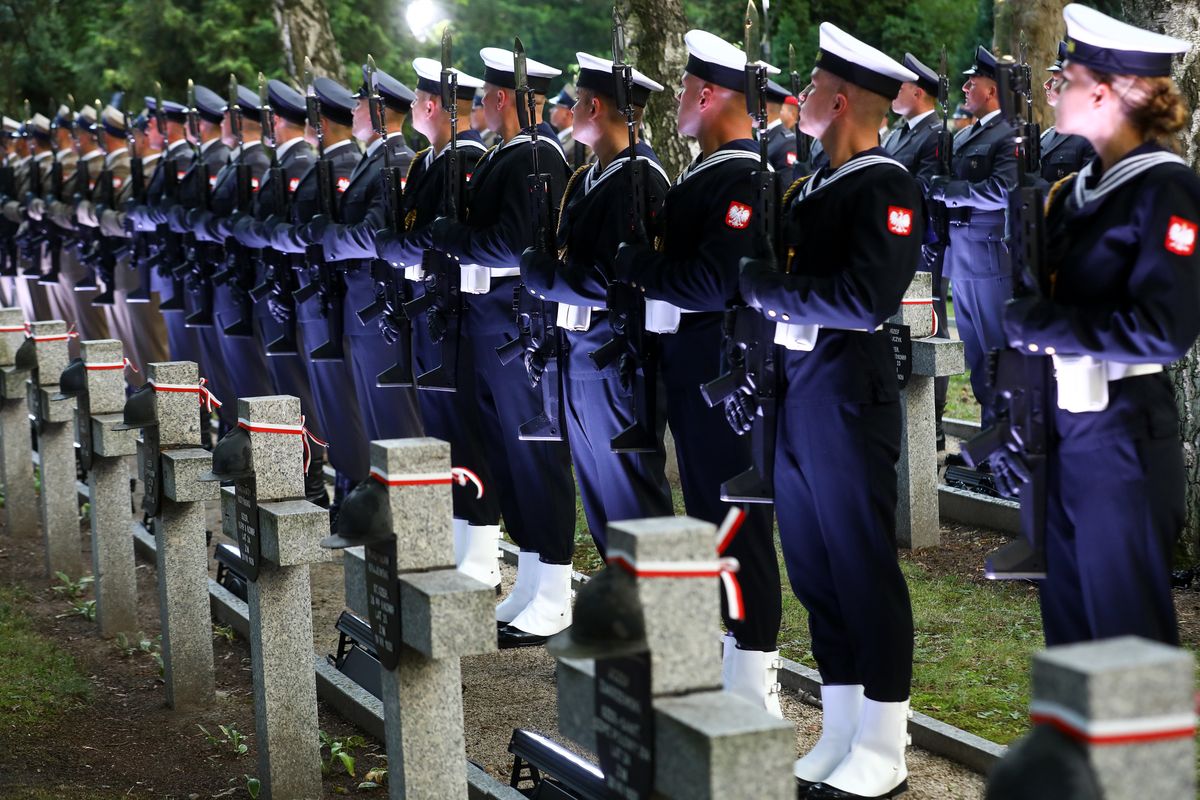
(51,337)
(106,365)
(723,567)
(300,430)
(460,475)
(1136,730)
(205,397)
(923,301)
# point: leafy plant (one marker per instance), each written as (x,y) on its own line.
(376,778)
(71,589)
(339,752)
(225,632)
(253,786)
(230,738)
(81,608)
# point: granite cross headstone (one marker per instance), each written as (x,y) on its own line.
(54,423)
(16,450)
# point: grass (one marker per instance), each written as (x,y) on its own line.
(38,680)
(960,400)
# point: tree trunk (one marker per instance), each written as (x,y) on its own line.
(656,29)
(1040,22)
(304,32)
(1181,18)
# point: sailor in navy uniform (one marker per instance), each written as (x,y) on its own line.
(332,383)
(914,145)
(537,494)
(705,230)
(388,412)
(853,233)
(214,154)
(150,218)
(976,261)
(242,352)
(594,222)
(1062,154)
(781,137)
(1118,304)
(562,120)
(451,416)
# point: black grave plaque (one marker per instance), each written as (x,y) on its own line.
(625,726)
(245,492)
(35,403)
(901,342)
(83,431)
(383,601)
(151,471)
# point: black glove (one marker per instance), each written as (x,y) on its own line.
(624,265)
(937,187)
(535,366)
(1016,314)
(439,326)
(542,265)
(445,232)
(313,231)
(282,308)
(751,271)
(741,408)
(385,240)
(626,371)
(1010,473)
(391,324)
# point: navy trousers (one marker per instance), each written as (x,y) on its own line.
(979,314)
(181,340)
(612,486)
(212,361)
(244,356)
(1113,515)
(710,453)
(835,498)
(537,495)
(387,412)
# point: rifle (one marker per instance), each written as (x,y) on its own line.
(277,270)
(391,292)
(34,237)
(238,267)
(537,332)
(440,271)
(803,140)
(194,265)
(749,355)
(8,187)
(170,250)
(50,231)
(631,345)
(139,248)
(103,254)
(325,280)
(1022,382)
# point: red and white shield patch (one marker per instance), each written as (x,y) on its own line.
(342,184)
(1181,237)
(791,159)
(468,177)
(212,181)
(403,183)
(179,173)
(899,220)
(117,182)
(292,184)
(253,184)
(738,215)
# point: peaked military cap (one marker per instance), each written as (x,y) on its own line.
(985,64)
(113,121)
(776,93)
(1058,62)
(247,101)
(498,70)
(565,98)
(927,79)
(210,105)
(11,126)
(286,102)
(596,75)
(86,118)
(175,112)
(39,126)
(64,117)
(1104,44)
(395,94)
(335,100)
(861,64)
(429,79)
(714,60)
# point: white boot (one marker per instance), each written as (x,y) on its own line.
(728,644)
(750,674)
(480,556)
(528,568)
(550,610)
(461,541)
(839,721)
(875,765)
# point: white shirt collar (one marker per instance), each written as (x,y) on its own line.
(288,145)
(986,118)
(151,158)
(565,133)
(915,121)
(42,156)
(375,145)
(775,124)
(92,154)
(175,145)
(205,145)
(330,148)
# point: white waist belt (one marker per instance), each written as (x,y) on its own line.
(664,317)
(476,279)
(795,336)
(575,318)
(1083,380)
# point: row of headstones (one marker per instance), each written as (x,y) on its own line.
(1127,701)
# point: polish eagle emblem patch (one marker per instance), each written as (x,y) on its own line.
(293,183)
(1181,236)
(899,220)
(343,183)
(738,215)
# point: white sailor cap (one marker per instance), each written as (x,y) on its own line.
(39,126)
(498,70)
(429,78)
(113,121)
(861,64)
(11,126)
(1104,44)
(595,74)
(714,60)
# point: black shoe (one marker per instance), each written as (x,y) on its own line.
(802,787)
(510,637)
(823,791)
(941,442)
(955,460)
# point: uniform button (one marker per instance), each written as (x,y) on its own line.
(1050,351)
(541,297)
(786,318)
(1033,348)
(395,264)
(770,313)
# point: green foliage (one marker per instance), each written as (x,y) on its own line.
(38,680)
(253,786)
(71,589)
(229,738)
(340,752)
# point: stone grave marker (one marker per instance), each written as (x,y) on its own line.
(16,450)
(54,422)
